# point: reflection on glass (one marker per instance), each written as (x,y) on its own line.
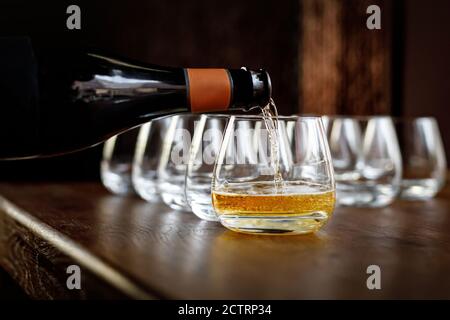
(366,160)
(283,189)
(204,150)
(424,163)
(174,159)
(116,164)
(146,159)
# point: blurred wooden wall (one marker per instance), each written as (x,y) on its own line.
(205,33)
(195,33)
(321,56)
(344,68)
(426,57)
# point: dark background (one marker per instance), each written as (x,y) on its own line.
(321,57)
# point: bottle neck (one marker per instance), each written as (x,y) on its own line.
(221,89)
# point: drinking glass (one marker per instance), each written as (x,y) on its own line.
(174,159)
(366,160)
(204,150)
(424,163)
(277,181)
(116,164)
(146,159)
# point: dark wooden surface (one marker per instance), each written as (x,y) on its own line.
(9,290)
(128,248)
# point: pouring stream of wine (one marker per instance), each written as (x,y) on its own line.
(270,116)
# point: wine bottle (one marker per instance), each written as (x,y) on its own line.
(58,101)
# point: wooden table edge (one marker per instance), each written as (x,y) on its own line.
(75,251)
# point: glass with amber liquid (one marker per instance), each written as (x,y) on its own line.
(274,178)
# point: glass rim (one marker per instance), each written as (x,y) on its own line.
(357,117)
(280,117)
(218,115)
(362,117)
(412,118)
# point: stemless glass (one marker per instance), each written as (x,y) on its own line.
(146,159)
(204,150)
(424,163)
(248,195)
(116,164)
(174,159)
(366,160)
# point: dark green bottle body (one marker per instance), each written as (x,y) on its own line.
(56,102)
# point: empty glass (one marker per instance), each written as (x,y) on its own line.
(366,160)
(116,164)
(204,150)
(274,186)
(174,159)
(424,163)
(146,159)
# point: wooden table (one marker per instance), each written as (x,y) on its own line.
(128,248)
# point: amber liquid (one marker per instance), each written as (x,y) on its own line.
(276,204)
(260,206)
